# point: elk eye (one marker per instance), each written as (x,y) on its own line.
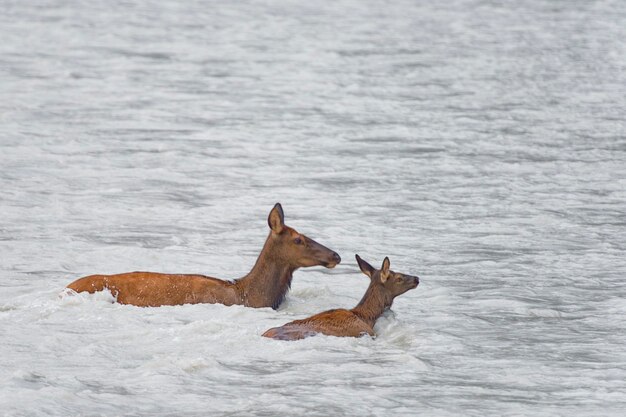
(297,241)
(399,279)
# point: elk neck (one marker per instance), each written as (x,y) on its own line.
(375,301)
(268,281)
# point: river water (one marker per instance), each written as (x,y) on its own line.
(479,144)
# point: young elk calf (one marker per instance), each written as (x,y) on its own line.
(285,250)
(385,285)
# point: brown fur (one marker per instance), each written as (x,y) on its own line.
(285,250)
(384,286)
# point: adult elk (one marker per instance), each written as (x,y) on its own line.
(285,250)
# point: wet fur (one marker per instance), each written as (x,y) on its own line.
(384,286)
(265,286)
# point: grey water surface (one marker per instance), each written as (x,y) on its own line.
(479,144)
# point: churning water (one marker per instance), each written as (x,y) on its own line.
(478,144)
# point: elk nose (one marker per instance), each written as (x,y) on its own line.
(336,257)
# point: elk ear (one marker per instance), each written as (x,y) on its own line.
(384,270)
(276,219)
(366,268)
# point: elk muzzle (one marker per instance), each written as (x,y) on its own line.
(320,255)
